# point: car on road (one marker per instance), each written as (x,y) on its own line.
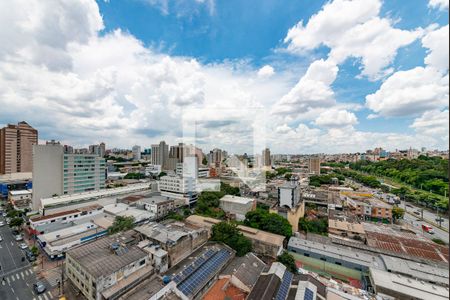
(2,223)
(440,219)
(39,287)
(18,237)
(1,239)
(416,212)
(408,205)
(4,214)
(428,228)
(23,246)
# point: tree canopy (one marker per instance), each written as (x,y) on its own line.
(288,260)
(271,222)
(208,201)
(121,223)
(318,226)
(229,234)
(397,212)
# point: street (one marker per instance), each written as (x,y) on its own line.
(16,276)
(438,233)
(427,215)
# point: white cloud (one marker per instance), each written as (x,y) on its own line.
(372,116)
(336,118)
(266,71)
(438,49)
(439,4)
(359,33)
(183,8)
(410,92)
(312,90)
(433,123)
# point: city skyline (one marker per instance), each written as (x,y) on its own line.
(134,70)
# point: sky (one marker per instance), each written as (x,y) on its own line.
(296,76)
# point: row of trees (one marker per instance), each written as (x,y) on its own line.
(367,180)
(428,173)
(318,180)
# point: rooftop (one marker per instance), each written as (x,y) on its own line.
(246,269)
(20,192)
(415,289)
(67,212)
(339,252)
(347,226)
(99,260)
(236,199)
(86,196)
(163,233)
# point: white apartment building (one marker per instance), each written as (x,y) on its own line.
(157,205)
(20,199)
(136,152)
(56,173)
(288,195)
(179,188)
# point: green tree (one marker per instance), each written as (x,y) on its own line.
(35,251)
(397,213)
(288,260)
(121,223)
(16,222)
(229,234)
(271,222)
(204,161)
(318,226)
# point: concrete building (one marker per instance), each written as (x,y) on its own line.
(289,195)
(314,165)
(160,154)
(159,206)
(263,243)
(396,286)
(99,149)
(188,168)
(369,207)
(20,199)
(136,152)
(266,161)
(177,238)
(56,173)
(236,207)
(16,148)
(108,267)
(179,188)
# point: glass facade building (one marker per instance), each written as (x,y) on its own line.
(83,172)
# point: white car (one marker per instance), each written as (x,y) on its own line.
(2,223)
(1,239)
(23,246)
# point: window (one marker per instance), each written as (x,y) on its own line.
(306,254)
(142,262)
(323,259)
(338,263)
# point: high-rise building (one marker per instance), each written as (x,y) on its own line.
(178,152)
(266,157)
(160,154)
(59,173)
(314,165)
(136,152)
(16,148)
(99,149)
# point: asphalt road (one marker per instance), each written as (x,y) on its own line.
(417,223)
(18,275)
(427,215)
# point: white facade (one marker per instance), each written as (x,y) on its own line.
(178,188)
(20,199)
(152,170)
(237,206)
(188,168)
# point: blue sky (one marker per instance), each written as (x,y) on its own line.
(330,76)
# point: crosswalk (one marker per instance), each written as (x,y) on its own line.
(45,296)
(17,276)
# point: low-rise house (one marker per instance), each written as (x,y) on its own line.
(159,206)
(346,229)
(108,267)
(20,199)
(177,238)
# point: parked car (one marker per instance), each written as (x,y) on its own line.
(417,212)
(408,205)
(23,246)
(39,287)
(2,223)
(1,239)
(18,237)
(29,255)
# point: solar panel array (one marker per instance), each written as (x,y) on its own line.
(193,266)
(197,280)
(284,286)
(309,295)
